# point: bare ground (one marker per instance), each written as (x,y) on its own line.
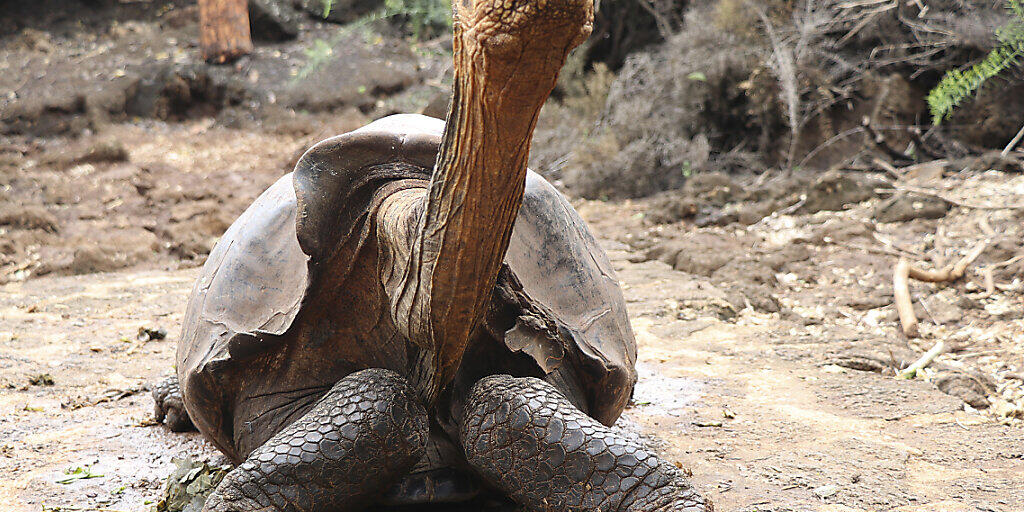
(762,406)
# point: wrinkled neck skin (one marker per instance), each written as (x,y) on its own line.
(506,64)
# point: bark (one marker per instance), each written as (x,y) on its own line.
(445,248)
(224,30)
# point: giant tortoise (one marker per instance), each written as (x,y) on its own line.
(412,316)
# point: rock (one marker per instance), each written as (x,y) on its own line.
(43,379)
(151,334)
(713,188)
(91,259)
(172,91)
(671,207)
(103,152)
(906,207)
(711,216)
(700,298)
(29,217)
(943,311)
(925,171)
(1003,409)
(970,388)
(696,253)
(273,20)
(835,190)
(758,297)
(826,491)
(965,302)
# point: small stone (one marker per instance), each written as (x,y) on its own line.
(151,334)
(826,491)
(103,152)
(1003,409)
(43,379)
(907,207)
(29,217)
(971,389)
(835,190)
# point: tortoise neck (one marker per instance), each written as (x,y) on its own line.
(474,197)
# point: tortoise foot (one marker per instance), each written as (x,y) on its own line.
(526,439)
(360,438)
(169,408)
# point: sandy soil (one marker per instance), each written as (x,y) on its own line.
(750,408)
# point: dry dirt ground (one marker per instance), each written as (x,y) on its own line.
(762,304)
(766,351)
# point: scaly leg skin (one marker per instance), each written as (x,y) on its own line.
(526,439)
(367,432)
(169,407)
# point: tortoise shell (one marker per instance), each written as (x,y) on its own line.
(289,300)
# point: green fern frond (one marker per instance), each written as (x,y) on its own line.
(958,85)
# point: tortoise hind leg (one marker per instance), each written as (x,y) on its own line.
(360,438)
(169,408)
(525,438)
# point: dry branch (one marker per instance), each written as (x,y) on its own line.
(911,371)
(962,204)
(990,283)
(950,272)
(901,292)
(1013,143)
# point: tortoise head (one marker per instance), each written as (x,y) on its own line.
(513,49)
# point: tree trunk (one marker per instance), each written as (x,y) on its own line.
(224,30)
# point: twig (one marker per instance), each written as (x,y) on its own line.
(879,141)
(888,242)
(990,283)
(986,227)
(890,251)
(915,135)
(950,272)
(901,294)
(888,168)
(829,142)
(1013,143)
(932,193)
(1008,262)
(795,206)
(911,371)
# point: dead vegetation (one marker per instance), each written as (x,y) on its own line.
(795,83)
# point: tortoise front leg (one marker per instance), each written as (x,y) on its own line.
(367,432)
(525,438)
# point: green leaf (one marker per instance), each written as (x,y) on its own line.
(79,473)
(957,85)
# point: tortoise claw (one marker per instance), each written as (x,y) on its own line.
(169,407)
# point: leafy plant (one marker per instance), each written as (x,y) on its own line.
(316,56)
(79,473)
(958,85)
(422,18)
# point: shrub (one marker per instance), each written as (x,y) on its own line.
(669,114)
(957,86)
